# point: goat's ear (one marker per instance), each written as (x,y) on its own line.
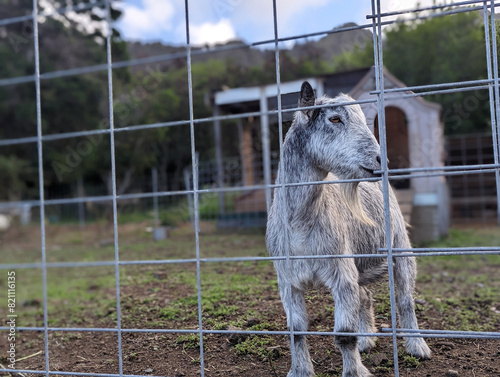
(307,98)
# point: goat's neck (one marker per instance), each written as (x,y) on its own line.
(297,168)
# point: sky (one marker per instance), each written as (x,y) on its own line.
(215,21)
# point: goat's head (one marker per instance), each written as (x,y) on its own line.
(340,141)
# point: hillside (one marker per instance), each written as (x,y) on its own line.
(245,56)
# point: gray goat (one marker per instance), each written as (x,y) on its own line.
(333,143)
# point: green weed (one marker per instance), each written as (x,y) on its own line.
(410,362)
(261,346)
(191,341)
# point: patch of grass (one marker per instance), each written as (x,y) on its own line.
(382,302)
(463,288)
(464,237)
(410,362)
(72,336)
(261,346)
(264,326)
(77,295)
(127,217)
(383,370)
(183,309)
(220,326)
(219,292)
(221,310)
(208,206)
(191,341)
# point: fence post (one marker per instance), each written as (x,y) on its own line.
(218,156)
(187,183)
(154,177)
(266,146)
(81,205)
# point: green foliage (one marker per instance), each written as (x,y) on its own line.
(261,346)
(410,362)
(357,58)
(14,173)
(208,206)
(468,237)
(437,50)
(440,50)
(219,292)
(191,341)
(174,215)
(434,50)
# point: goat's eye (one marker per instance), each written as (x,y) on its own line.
(335,119)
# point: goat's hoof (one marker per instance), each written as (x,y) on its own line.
(301,373)
(366,343)
(361,372)
(365,372)
(418,348)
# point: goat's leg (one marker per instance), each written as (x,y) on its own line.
(405,274)
(296,315)
(366,320)
(346,293)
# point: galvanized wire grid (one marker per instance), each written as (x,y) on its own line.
(378,20)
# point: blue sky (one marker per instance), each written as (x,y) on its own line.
(213,21)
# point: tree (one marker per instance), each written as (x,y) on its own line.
(72,103)
(14,172)
(433,51)
(359,57)
(441,50)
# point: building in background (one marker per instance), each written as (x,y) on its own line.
(414,140)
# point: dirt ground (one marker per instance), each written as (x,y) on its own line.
(154,304)
(178,354)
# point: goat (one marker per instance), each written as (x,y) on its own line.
(328,144)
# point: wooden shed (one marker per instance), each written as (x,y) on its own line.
(414,140)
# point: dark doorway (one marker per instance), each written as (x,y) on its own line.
(397,142)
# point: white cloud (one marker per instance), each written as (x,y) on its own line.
(212,33)
(83,21)
(213,21)
(257,15)
(291,8)
(150,21)
(389,6)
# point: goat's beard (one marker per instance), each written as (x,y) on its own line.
(351,195)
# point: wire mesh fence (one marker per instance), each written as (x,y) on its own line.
(207,191)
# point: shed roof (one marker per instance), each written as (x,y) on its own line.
(354,82)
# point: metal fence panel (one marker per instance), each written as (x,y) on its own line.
(377,19)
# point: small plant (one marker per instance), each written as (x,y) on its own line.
(73,336)
(263,326)
(220,326)
(174,216)
(216,324)
(383,370)
(191,341)
(410,362)
(261,346)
